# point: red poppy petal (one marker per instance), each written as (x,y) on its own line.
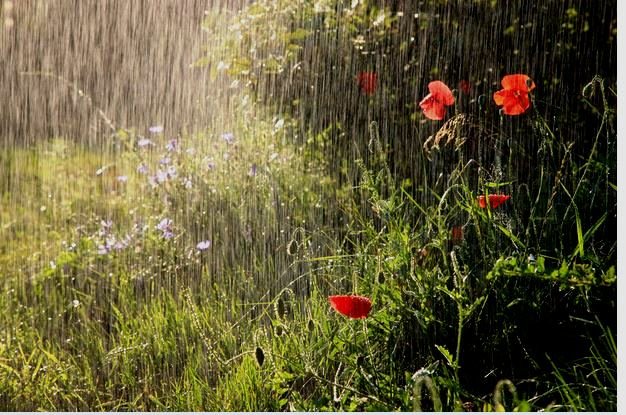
(367,82)
(435,111)
(457,234)
(353,306)
(426,101)
(513,102)
(497,200)
(481,202)
(441,92)
(523,101)
(500,96)
(512,108)
(518,82)
(432,108)
(465,86)
(516,105)
(494,200)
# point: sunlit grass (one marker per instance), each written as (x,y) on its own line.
(168,271)
(81,319)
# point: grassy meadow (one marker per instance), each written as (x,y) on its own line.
(189,270)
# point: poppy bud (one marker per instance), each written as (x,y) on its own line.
(311,325)
(381,278)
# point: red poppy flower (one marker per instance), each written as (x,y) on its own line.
(457,234)
(514,97)
(494,200)
(465,86)
(434,104)
(353,306)
(367,82)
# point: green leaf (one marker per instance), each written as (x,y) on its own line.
(497,185)
(595,227)
(579,232)
(512,237)
(564,270)
(446,354)
(522,406)
(296,35)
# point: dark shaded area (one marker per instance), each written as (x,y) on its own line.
(561,45)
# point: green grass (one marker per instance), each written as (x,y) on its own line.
(158,324)
(506,317)
(246,325)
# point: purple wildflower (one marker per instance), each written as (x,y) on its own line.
(171,172)
(172,145)
(121,244)
(165,161)
(145,142)
(105,228)
(203,245)
(252,171)
(161,176)
(158,178)
(156,129)
(111,242)
(142,168)
(122,179)
(210,165)
(228,137)
(187,183)
(165,226)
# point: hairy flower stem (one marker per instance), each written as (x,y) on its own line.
(457,354)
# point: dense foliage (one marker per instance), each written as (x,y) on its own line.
(194,272)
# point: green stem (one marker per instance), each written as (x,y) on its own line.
(457,355)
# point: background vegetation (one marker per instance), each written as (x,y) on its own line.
(305,187)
